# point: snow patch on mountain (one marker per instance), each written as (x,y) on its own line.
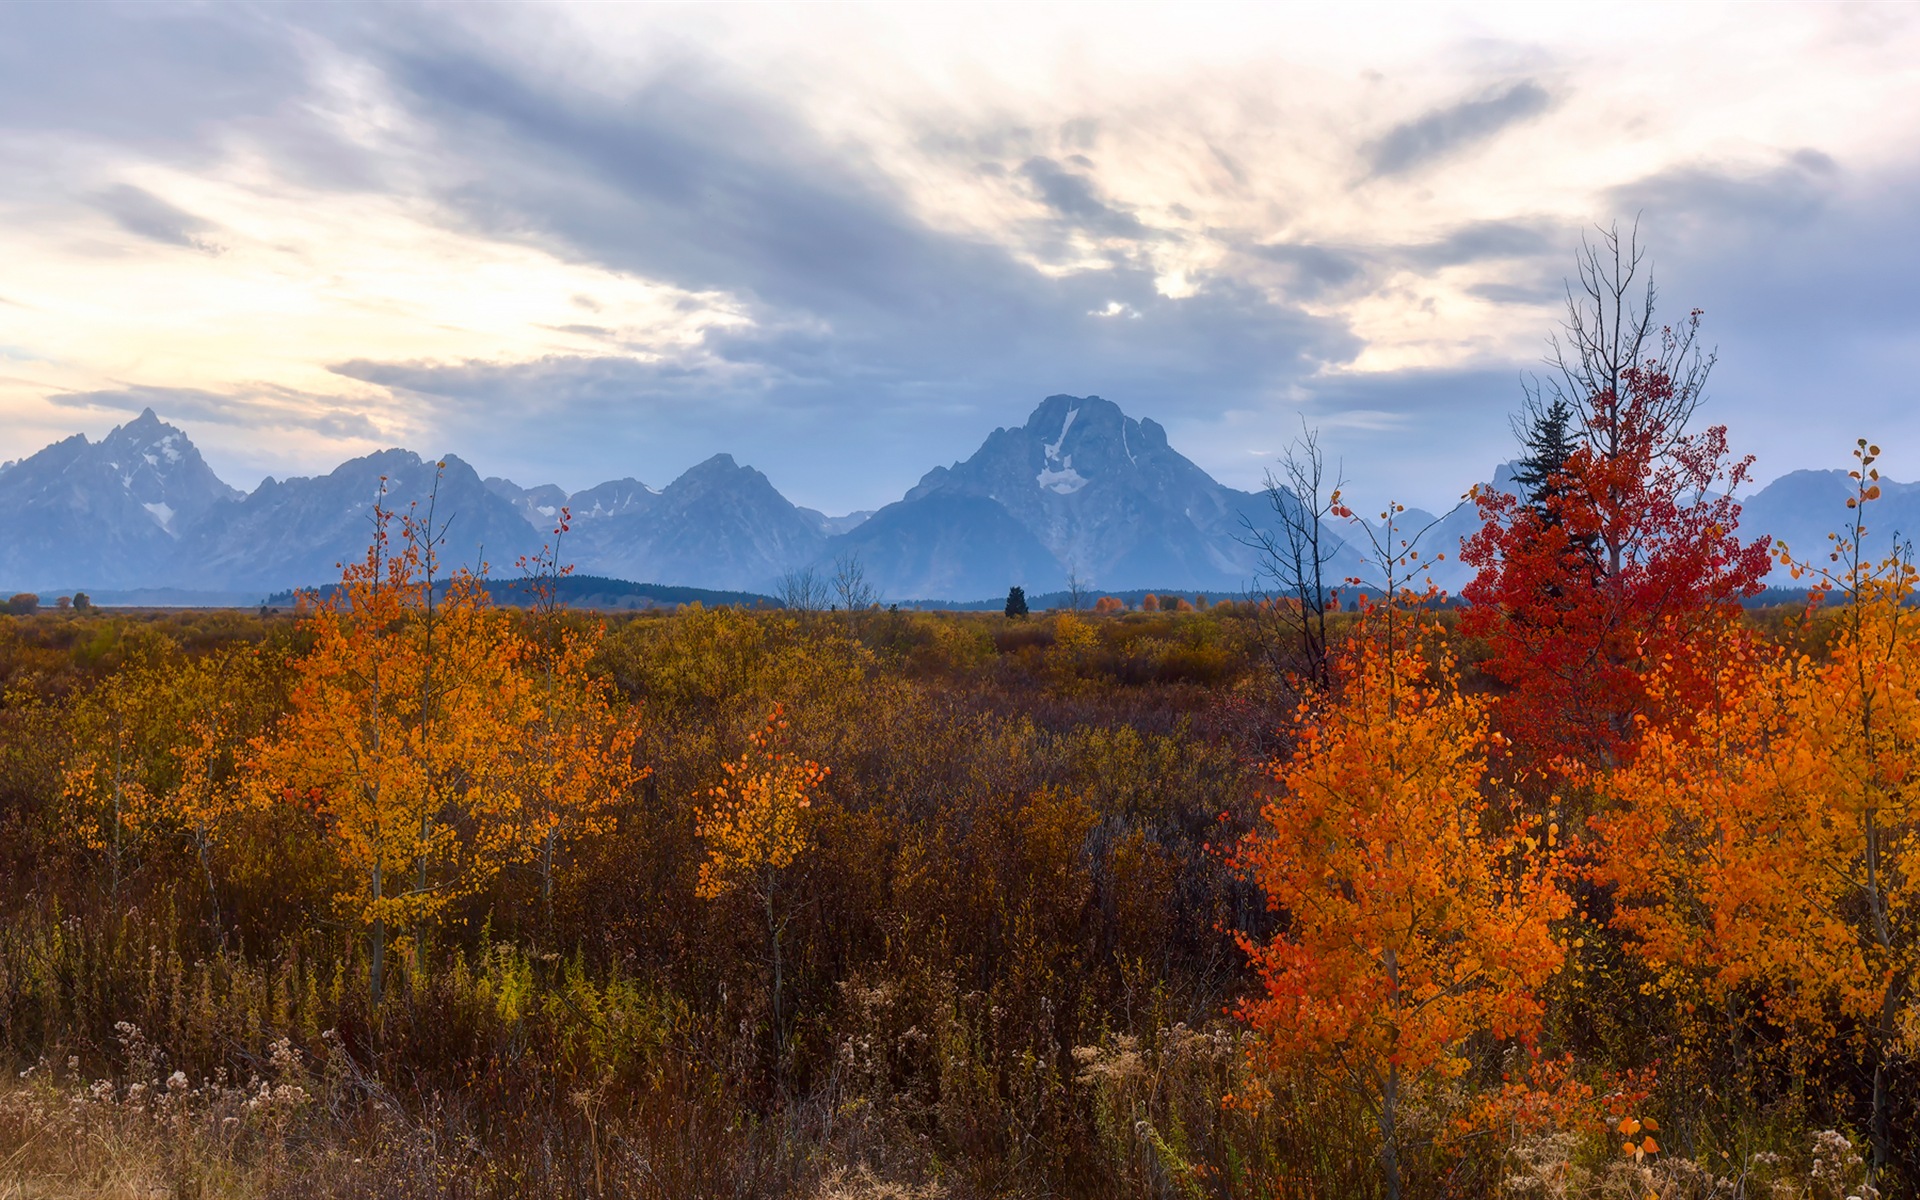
(1053,448)
(1063,482)
(1058,475)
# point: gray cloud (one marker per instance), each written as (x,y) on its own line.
(1484,241)
(159,76)
(1722,205)
(1312,271)
(258,408)
(1514,293)
(1072,196)
(1445,130)
(141,212)
(1529,252)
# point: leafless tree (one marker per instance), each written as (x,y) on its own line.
(1076,589)
(850,584)
(1610,331)
(1293,558)
(1608,348)
(804,591)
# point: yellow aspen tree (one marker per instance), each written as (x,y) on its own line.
(125,732)
(1772,843)
(225,701)
(404,717)
(755,824)
(576,758)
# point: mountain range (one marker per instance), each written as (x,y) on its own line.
(1081,490)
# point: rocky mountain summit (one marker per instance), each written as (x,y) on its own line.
(109,513)
(1089,491)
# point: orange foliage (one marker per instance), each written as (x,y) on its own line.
(1410,921)
(404,721)
(576,760)
(1773,843)
(756,823)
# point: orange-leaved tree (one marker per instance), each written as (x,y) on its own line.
(404,719)
(576,760)
(1772,843)
(1414,913)
(756,824)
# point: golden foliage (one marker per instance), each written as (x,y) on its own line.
(755,823)
(404,723)
(1415,913)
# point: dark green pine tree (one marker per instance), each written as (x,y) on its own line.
(1550,438)
(1549,442)
(1016,601)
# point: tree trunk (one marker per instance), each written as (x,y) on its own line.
(213,896)
(779,1025)
(376,951)
(1390,1094)
(1881,1122)
(546,881)
(1390,1133)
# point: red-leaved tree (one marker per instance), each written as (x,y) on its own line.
(1625,550)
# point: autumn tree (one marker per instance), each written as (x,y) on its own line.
(576,756)
(1414,912)
(755,824)
(128,734)
(1771,843)
(404,720)
(161,753)
(228,704)
(1624,554)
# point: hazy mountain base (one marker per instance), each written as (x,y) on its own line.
(1081,489)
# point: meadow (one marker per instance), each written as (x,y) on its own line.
(403,894)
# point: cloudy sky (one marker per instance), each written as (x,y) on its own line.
(844,243)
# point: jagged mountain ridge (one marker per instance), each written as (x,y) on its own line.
(110,512)
(295,532)
(719,525)
(1802,508)
(1106,496)
(1079,488)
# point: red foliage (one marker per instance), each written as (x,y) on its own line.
(1624,559)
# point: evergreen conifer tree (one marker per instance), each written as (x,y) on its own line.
(1016,601)
(1549,443)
